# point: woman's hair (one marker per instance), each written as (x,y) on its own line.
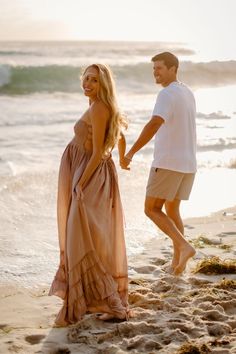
(107,94)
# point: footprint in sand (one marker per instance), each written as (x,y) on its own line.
(230,233)
(145,269)
(5,328)
(158,261)
(218,329)
(2,326)
(62,351)
(189,227)
(166,252)
(140,342)
(34,338)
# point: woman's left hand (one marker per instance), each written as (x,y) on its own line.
(124,163)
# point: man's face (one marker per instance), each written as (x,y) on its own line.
(161,73)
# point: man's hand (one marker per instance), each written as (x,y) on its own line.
(124,163)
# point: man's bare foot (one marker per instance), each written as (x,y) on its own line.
(169,268)
(185,255)
(175,259)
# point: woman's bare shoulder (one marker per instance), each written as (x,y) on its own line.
(98,108)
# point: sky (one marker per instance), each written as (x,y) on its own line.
(207,25)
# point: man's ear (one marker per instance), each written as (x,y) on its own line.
(173,69)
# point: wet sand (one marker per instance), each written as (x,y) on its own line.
(168,311)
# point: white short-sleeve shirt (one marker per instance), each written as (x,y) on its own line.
(175,141)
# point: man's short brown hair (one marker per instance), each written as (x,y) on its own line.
(168,58)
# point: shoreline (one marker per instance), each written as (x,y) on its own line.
(170,311)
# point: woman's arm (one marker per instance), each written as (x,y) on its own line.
(121,149)
(99,115)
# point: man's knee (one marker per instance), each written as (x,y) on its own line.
(171,212)
(172,208)
(152,205)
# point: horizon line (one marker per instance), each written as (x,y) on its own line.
(92,40)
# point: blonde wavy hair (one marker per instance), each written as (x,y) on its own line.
(107,94)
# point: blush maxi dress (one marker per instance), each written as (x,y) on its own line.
(92,274)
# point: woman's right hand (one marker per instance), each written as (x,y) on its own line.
(78,192)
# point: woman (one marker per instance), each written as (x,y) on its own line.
(92,275)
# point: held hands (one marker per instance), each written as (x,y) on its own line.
(124,159)
(125,162)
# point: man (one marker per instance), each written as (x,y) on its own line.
(174,165)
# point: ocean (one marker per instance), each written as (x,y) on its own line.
(41,99)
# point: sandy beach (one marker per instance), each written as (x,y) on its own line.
(193,313)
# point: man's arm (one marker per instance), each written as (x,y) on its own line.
(146,135)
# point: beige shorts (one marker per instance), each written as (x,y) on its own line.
(169,185)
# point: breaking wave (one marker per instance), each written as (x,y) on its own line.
(65,78)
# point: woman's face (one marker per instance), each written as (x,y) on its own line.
(90,83)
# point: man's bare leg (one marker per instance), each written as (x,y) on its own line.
(173,212)
(153,209)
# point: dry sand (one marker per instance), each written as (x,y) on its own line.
(169,311)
